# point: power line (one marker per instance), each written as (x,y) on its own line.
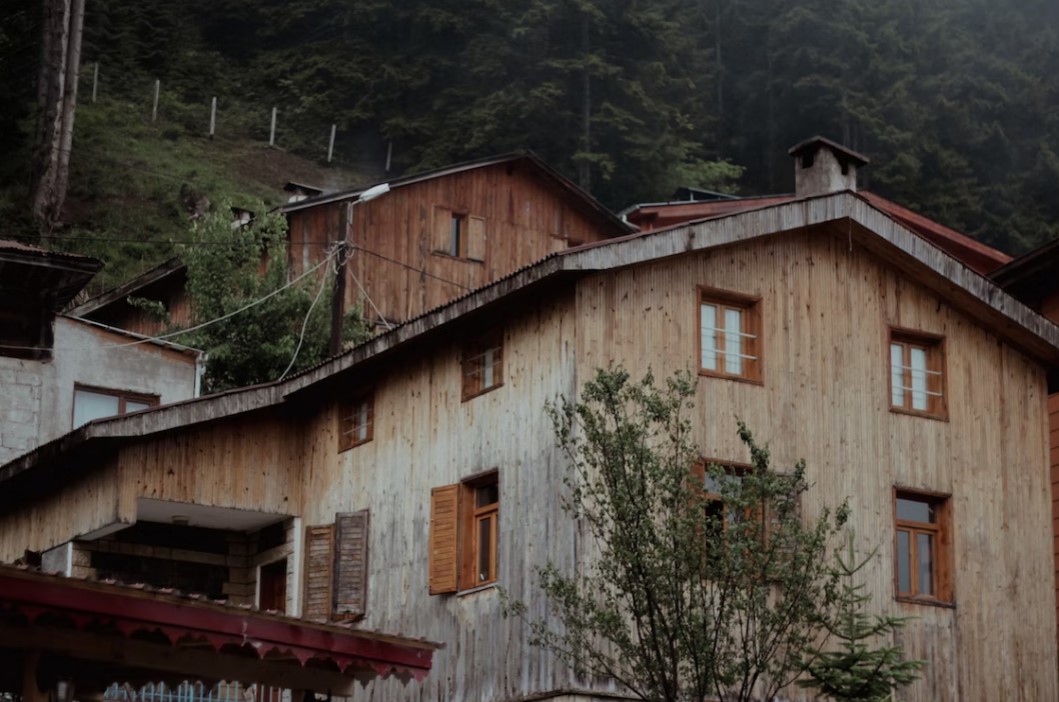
(164,337)
(305,323)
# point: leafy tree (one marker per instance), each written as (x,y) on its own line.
(693,593)
(857,672)
(231,267)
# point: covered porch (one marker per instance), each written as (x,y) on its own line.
(65,638)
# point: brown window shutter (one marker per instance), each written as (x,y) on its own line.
(442,229)
(351,564)
(444,551)
(476,238)
(319,548)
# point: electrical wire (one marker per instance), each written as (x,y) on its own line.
(164,337)
(305,323)
(370,301)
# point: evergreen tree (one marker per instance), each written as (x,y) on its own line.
(858,671)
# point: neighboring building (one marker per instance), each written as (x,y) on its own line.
(1034,279)
(57,372)
(906,380)
(433,237)
(691,204)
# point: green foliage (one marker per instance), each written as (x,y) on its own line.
(683,601)
(857,672)
(232,267)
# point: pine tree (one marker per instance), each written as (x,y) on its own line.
(857,671)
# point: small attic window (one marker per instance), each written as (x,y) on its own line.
(807,159)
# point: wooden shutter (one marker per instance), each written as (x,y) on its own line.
(476,238)
(319,549)
(444,546)
(442,230)
(351,564)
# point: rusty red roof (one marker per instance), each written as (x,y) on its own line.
(114,610)
(981,258)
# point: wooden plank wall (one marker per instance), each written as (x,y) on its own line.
(1050,308)
(525,219)
(826,307)
(425,437)
(249,462)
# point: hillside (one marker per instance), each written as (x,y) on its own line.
(134,184)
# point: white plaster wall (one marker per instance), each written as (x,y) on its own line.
(36,397)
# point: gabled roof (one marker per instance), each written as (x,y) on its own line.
(880,233)
(1033,276)
(576,194)
(980,257)
(171,269)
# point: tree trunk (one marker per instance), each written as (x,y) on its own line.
(50,89)
(73,72)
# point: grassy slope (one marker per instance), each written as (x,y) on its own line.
(124,203)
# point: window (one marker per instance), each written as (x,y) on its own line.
(482,365)
(356,421)
(458,234)
(464,534)
(921,568)
(96,403)
(729,335)
(917,381)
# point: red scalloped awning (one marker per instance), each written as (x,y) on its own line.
(53,607)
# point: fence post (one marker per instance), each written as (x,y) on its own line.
(389,153)
(213,116)
(272,130)
(331,144)
(95,80)
(154,110)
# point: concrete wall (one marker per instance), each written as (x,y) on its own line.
(36,397)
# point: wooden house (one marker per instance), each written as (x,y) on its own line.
(58,372)
(352,492)
(432,237)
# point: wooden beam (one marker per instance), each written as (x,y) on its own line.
(172,661)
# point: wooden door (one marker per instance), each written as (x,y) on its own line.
(273,586)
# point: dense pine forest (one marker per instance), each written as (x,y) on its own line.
(954,100)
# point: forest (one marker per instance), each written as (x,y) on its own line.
(953,100)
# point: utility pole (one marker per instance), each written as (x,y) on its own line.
(338,296)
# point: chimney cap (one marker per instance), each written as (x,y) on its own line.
(844,155)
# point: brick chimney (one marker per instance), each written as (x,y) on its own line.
(821,167)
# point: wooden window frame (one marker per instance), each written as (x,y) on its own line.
(464,235)
(941,532)
(470,368)
(470,515)
(937,393)
(751,345)
(124,397)
(348,409)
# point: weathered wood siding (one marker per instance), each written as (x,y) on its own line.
(1050,308)
(250,462)
(525,219)
(826,307)
(425,437)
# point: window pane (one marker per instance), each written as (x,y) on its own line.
(362,421)
(485,547)
(708,320)
(733,342)
(919,377)
(897,376)
(915,510)
(925,554)
(487,495)
(93,405)
(134,406)
(904,567)
(487,369)
(454,241)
